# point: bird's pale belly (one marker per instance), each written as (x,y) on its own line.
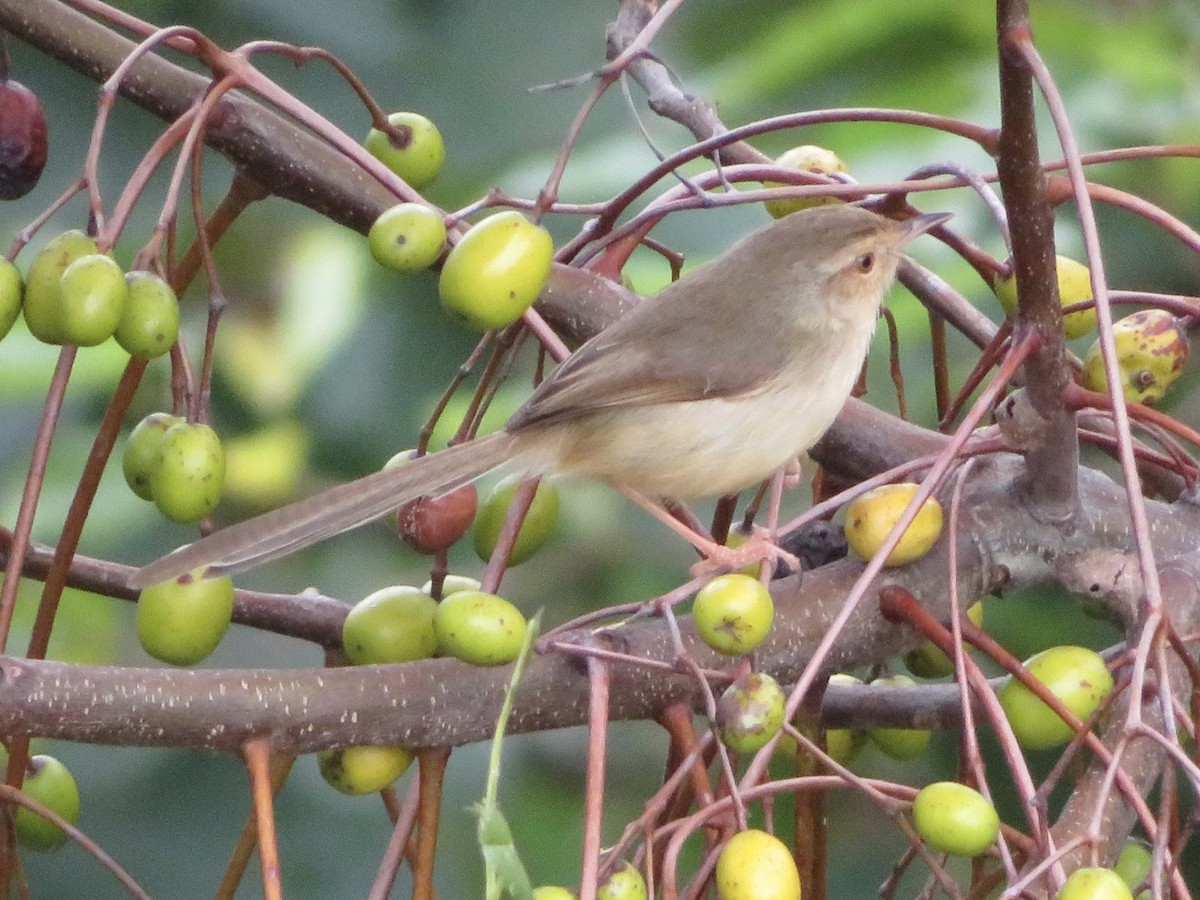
(702,448)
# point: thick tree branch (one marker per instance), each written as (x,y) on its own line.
(443,702)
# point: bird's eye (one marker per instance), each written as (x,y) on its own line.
(866,262)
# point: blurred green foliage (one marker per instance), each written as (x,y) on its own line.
(317,335)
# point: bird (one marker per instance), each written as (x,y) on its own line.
(705,388)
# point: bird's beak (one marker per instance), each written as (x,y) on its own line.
(918,225)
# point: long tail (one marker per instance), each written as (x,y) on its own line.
(283,531)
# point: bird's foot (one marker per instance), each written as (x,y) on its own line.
(759,546)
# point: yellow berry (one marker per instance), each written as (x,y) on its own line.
(363,770)
(479,628)
(1095,883)
(928,660)
(871,517)
(805,158)
(150,319)
(755,865)
(1152,350)
(1074,286)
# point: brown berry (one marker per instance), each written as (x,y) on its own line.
(433,524)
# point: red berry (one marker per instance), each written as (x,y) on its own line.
(23,143)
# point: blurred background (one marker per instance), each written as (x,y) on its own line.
(328,364)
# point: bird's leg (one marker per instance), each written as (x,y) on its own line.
(792,471)
(717,557)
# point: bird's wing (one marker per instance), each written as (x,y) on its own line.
(676,347)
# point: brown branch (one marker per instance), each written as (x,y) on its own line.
(1053,458)
(285,158)
(1001,547)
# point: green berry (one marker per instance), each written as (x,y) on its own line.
(92,294)
(536,529)
(363,770)
(552,892)
(953,818)
(43,306)
(408,237)
(142,451)
(51,784)
(478,628)
(452,584)
(181,621)
(186,480)
(899,743)
(1134,863)
(928,660)
(733,613)
(842,744)
(1077,676)
(10,295)
(150,321)
(496,270)
(750,712)
(419,160)
(394,624)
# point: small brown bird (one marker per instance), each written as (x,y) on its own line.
(706,388)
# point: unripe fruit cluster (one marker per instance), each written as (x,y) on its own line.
(178,465)
(403,624)
(76,295)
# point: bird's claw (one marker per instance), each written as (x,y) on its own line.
(757,547)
